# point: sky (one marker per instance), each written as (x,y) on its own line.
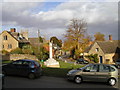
(53,18)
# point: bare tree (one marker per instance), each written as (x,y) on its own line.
(76,35)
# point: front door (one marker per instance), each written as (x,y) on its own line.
(101,59)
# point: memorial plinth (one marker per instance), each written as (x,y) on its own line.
(51,62)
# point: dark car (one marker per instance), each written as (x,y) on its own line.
(118,63)
(2,80)
(24,67)
(82,61)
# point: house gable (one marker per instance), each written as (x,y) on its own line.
(96,49)
(10,42)
(7,33)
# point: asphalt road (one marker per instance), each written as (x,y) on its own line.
(49,82)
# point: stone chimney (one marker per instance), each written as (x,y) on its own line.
(110,37)
(12,29)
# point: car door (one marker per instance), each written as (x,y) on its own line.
(104,73)
(89,73)
(18,65)
(10,68)
(25,69)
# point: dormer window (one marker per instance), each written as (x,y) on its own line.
(5,37)
(97,49)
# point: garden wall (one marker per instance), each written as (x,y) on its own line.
(18,56)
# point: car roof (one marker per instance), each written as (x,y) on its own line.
(100,64)
(25,60)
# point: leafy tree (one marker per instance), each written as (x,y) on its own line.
(55,40)
(27,49)
(99,37)
(41,52)
(41,39)
(76,36)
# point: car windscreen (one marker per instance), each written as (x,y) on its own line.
(118,60)
(83,67)
(37,64)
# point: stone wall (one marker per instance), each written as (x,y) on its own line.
(18,56)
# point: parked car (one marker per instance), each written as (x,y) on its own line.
(118,63)
(2,80)
(23,67)
(95,72)
(82,61)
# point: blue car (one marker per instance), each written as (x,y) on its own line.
(23,67)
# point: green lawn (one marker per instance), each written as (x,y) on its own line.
(59,72)
(6,61)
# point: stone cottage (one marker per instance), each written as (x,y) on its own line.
(10,40)
(108,51)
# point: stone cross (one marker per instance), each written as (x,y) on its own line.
(50,50)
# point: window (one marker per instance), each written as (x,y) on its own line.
(3,46)
(5,37)
(9,46)
(92,68)
(112,69)
(27,63)
(97,49)
(17,62)
(104,68)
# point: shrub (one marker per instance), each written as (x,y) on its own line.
(93,57)
(4,52)
(16,51)
(27,51)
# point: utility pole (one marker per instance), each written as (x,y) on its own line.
(38,42)
(38,35)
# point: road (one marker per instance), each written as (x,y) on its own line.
(49,82)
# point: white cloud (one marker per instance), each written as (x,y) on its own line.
(98,15)
(23,0)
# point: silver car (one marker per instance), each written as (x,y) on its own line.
(95,72)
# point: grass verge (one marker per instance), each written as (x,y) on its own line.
(59,72)
(6,61)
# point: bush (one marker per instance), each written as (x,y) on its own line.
(4,52)
(16,51)
(93,57)
(27,51)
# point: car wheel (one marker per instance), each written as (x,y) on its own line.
(111,81)
(78,79)
(31,75)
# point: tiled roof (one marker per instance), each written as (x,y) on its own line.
(34,41)
(107,46)
(18,37)
(88,48)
